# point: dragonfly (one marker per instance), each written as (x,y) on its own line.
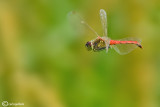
(122,46)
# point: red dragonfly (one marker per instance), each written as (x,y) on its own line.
(122,46)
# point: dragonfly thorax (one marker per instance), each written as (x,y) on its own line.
(96,45)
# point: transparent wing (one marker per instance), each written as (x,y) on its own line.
(107,41)
(123,49)
(103,17)
(76,20)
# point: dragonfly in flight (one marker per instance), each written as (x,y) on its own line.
(122,46)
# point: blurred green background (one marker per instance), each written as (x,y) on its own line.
(44,62)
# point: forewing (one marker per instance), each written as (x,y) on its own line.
(75,20)
(103,17)
(78,22)
(123,49)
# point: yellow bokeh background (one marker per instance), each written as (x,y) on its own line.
(44,62)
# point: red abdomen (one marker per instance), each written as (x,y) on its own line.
(114,42)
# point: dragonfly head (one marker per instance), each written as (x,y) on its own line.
(89,46)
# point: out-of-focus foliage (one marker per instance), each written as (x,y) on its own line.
(44,63)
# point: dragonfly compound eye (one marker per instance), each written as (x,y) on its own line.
(88,46)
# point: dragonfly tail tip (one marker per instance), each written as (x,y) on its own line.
(139,45)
